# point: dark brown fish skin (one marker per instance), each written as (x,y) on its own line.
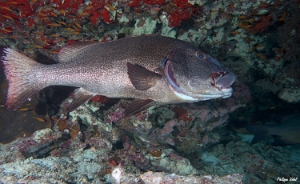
(102,68)
(287,133)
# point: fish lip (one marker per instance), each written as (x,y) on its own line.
(227,92)
(222,80)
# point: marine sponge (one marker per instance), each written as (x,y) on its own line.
(117,174)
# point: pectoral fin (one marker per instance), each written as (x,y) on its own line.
(141,78)
(137,106)
(80,97)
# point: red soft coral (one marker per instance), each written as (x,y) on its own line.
(262,25)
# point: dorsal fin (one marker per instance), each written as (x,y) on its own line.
(70,51)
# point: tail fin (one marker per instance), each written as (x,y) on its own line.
(17,68)
(260,132)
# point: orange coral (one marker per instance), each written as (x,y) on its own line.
(101,99)
(182,114)
(262,25)
(259,26)
(156,153)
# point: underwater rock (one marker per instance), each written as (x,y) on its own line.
(144,26)
(291,95)
(159,177)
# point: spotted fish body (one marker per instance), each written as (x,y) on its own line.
(149,68)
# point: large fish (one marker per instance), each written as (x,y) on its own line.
(148,68)
(286,133)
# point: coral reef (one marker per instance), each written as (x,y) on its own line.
(159,177)
(255,162)
(84,142)
(289,31)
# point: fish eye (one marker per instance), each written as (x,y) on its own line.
(201,55)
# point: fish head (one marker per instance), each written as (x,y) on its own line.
(194,75)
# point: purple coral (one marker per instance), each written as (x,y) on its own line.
(168,128)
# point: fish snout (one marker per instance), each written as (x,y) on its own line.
(222,80)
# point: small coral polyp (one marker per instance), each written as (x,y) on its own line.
(154,2)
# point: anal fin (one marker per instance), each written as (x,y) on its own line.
(80,97)
(137,106)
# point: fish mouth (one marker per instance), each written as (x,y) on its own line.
(220,80)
